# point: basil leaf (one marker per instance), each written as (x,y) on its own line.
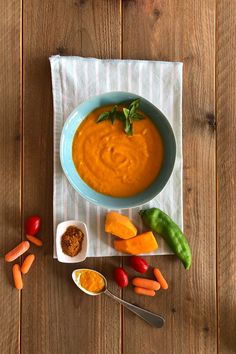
(112,118)
(130,132)
(113,114)
(128,127)
(103,116)
(114,109)
(134,106)
(128,116)
(137,116)
(120,116)
(126,112)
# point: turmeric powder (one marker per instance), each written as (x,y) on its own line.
(92,281)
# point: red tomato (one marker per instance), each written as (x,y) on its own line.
(139,264)
(121,277)
(32,225)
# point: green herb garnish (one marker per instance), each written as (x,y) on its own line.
(128,116)
(112,115)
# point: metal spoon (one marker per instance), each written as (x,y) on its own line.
(150,317)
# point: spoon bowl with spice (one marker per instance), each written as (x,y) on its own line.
(90,281)
(71,241)
(94,283)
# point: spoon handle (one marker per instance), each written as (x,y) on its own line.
(150,317)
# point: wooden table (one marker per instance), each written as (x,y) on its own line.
(50,315)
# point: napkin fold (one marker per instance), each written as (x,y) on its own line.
(74,80)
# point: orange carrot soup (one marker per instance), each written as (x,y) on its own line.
(112,162)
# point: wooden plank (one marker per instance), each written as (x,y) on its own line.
(59,317)
(226,172)
(10,157)
(183,31)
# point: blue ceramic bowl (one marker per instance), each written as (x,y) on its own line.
(70,127)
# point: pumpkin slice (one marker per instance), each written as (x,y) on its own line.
(119,225)
(142,243)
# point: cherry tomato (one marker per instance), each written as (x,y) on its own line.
(32,225)
(121,277)
(139,264)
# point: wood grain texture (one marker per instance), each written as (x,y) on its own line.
(10,153)
(183,31)
(61,318)
(226,172)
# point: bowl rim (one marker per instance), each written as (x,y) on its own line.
(124,202)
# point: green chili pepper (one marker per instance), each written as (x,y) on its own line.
(161,223)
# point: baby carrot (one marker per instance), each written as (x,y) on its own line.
(159,277)
(17,276)
(17,251)
(28,261)
(34,240)
(142,291)
(146,283)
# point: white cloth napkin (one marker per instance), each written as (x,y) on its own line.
(74,80)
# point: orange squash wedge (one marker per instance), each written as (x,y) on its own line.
(119,225)
(142,243)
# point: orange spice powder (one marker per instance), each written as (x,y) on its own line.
(71,241)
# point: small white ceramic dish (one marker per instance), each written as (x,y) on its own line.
(61,228)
